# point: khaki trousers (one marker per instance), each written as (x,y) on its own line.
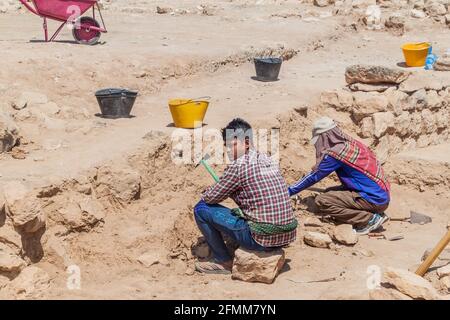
(348,207)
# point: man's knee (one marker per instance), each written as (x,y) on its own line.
(201,211)
(322,201)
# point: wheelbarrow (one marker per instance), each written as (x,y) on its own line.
(85,29)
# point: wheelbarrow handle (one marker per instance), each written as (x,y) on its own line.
(29,7)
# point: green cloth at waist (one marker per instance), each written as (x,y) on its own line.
(266,229)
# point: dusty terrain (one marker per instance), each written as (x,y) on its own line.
(104,192)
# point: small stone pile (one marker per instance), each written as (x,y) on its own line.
(438,10)
(398,284)
(394,110)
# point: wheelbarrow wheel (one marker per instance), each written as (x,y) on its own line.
(83,34)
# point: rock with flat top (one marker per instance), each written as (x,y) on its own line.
(312,222)
(374,74)
(427,81)
(10,262)
(338,99)
(256,266)
(387,294)
(317,239)
(149,259)
(23,207)
(345,234)
(410,284)
(368,103)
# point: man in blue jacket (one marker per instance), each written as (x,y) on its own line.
(365,191)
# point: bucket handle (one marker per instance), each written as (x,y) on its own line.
(199,99)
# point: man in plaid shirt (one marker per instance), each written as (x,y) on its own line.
(255,183)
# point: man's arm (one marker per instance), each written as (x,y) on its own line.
(223,189)
(327,166)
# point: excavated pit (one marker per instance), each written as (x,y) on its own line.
(118,211)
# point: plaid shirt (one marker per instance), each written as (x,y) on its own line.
(257,187)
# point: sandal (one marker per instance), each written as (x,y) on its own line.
(211,268)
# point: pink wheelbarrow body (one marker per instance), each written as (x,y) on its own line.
(85,30)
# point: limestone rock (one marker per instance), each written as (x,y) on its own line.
(372,17)
(418,14)
(367,127)
(444,271)
(443,63)
(428,121)
(31,283)
(417,101)
(378,87)
(312,222)
(434,8)
(253,266)
(318,240)
(387,294)
(29,98)
(9,133)
(10,237)
(402,124)
(338,99)
(163,10)
(122,185)
(410,284)
(420,80)
(445,283)
(396,100)
(368,103)
(344,234)
(10,262)
(396,21)
(374,74)
(149,259)
(321,3)
(23,207)
(382,121)
(434,100)
(81,213)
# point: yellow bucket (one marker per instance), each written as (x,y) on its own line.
(188,113)
(416,53)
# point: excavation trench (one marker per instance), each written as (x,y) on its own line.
(141,203)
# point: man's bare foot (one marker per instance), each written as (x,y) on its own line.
(211,267)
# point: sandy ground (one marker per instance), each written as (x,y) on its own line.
(164,57)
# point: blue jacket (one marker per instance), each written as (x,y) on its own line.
(350,178)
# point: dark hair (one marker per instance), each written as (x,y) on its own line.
(237,128)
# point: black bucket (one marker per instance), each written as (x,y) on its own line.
(267,69)
(116,103)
